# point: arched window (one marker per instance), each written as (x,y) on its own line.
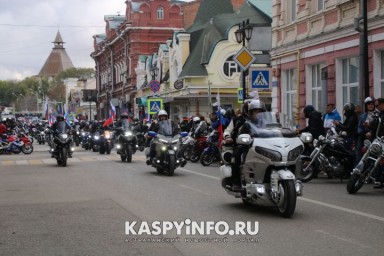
(160,13)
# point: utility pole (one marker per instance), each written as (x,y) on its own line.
(363,30)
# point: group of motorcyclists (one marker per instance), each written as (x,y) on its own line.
(356,128)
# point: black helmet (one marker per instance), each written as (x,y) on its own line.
(59,117)
(124,115)
(230,113)
(349,108)
(308,110)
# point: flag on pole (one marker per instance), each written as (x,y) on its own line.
(66,114)
(112,114)
(46,110)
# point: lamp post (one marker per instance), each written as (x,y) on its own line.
(154,72)
(37,99)
(243,33)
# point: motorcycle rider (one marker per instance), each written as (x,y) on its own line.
(315,123)
(252,108)
(199,128)
(59,126)
(364,126)
(164,127)
(349,125)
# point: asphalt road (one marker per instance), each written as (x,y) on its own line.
(82,209)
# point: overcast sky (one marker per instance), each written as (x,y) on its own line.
(28,28)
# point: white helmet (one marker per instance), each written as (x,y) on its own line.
(256,104)
(222,111)
(162,113)
(196,119)
(369,99)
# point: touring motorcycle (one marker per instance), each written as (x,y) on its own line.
(329,155)
(269,160)
(166,147)
(61,146)
(127,142)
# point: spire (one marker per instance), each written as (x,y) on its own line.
(58,60)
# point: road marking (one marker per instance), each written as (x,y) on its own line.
(35,162)
(196,190)
(367,215)
(21,162)
(7,162)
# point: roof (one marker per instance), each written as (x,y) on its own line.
(263,5)
(114,21)
(57,61)
(204,37)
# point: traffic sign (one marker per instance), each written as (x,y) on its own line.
(244,58)
(155,105)
(154,85)
(261,78)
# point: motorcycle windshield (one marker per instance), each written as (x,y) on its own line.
(165,128)
(125,124)
(61,126)
(270,125)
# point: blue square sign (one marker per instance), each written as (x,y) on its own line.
(261,78)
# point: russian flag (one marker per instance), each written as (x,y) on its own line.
(112,114)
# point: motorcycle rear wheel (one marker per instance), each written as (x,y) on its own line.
(287,201)
(194,155)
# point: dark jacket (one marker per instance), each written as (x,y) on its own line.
(315,125)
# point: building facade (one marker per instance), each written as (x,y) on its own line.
(316,54)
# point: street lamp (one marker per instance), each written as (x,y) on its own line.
(154,72)
(37,99)
(244,32)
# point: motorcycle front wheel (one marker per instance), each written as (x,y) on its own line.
(355,183)
(194,155)
(63,157)
(27,149)
(206,159)
(129,153)
(310,173)
(171,165)
(287,200)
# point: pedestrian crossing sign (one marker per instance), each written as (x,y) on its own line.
(154,105)
(260,78)
(240,95)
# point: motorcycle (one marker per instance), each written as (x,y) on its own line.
(85,140)
(166,147)
(197,148)
(127,142)
(329,156)
(211,152)
(270,156)
(105,142)
(15,144)
(365,170)
(76,135)
(40,137)
(186,146)
(61,147)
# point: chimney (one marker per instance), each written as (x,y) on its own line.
(237,4)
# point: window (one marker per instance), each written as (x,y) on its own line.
(316,87)
(160,13)
(350,80)
(291,10)
(290,94)
(320,5)
(230,67)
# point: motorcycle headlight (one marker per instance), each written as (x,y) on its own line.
(108,136)
(77,133)
(376,149)
(268,153)
(64,136)
(118,146)
(163,148)
(175,148)
(97,137)
(83,134)
(295,153)
(128,134)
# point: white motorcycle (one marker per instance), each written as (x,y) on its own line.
(269,160)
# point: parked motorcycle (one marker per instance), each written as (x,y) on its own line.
(15,144)
(330,156)
(166,158)
(365,170)
(270,157)
(61,147)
